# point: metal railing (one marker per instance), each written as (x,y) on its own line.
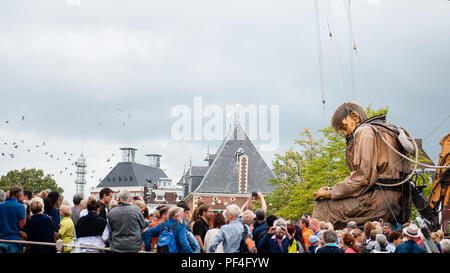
(59,245)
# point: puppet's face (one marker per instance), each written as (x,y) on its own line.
(350,123)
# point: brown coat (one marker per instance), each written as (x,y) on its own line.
(357,197)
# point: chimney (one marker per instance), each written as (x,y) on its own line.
(154,160)
(128,154)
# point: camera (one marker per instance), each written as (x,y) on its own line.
(278,229)
(254,195)
(135,198)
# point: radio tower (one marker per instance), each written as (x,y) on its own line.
(80,182)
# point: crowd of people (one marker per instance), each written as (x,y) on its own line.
(126,225)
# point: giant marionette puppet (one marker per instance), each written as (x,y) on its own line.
(379,185)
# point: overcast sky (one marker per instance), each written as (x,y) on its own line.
(98,75)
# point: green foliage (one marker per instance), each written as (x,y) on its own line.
(372,112)
(319,163)
(30,179)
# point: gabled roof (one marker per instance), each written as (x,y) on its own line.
(222,176)
(131,174)
(193,171)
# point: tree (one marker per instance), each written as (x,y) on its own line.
(320,163)
(30,179)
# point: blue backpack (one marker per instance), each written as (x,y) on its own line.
(166,242)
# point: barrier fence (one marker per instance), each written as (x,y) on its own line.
(59,245)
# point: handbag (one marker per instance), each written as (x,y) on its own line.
(56,235)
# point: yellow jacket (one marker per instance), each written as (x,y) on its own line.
(67,231)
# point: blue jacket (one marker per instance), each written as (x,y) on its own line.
(273,245)
(179,234)
(330,248)
(409,246)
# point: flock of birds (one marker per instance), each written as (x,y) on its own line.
(11,149)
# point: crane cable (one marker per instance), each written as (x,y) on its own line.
(319,47)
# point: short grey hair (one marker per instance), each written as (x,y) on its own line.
(352,224)
(381,239)
(445,246)
(280,222)
(234,210)
(124,195)
(330,236)
(2,195)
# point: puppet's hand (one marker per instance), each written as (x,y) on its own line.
(324,193)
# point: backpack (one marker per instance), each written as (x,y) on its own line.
(243,247)
(166,242)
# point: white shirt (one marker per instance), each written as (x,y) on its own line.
(209,236)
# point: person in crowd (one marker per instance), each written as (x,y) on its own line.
(297,245)
(186,216)
(410,234)
(195,215)
(330,238)
(162,214)
(259,224)
(381,243)
(105,196)
(66,227)
(349,244)
(126,223)
(313,244)
(229,235)
(12,219)
(75,215)
(175,215)
(91,229)
(372,243)
(278,237)
(387,228)
(368,227)
(445,246)
(321,239)
(265,247)
(39,228)
(83,206)
(113,204)
(219,221)
(51,208)
(351,225)
(141,204)
(359,239)
(314,226)
(298,236)
(27,196)
(201,225)
(306,233)
(340,234)
(394,239)
(2,196)
(248,219)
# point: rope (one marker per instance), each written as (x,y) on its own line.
(319,47)
(409,159)
(352,46)
(389,206)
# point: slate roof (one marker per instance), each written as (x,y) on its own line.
(222,175)
(193,171)
(132,174)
